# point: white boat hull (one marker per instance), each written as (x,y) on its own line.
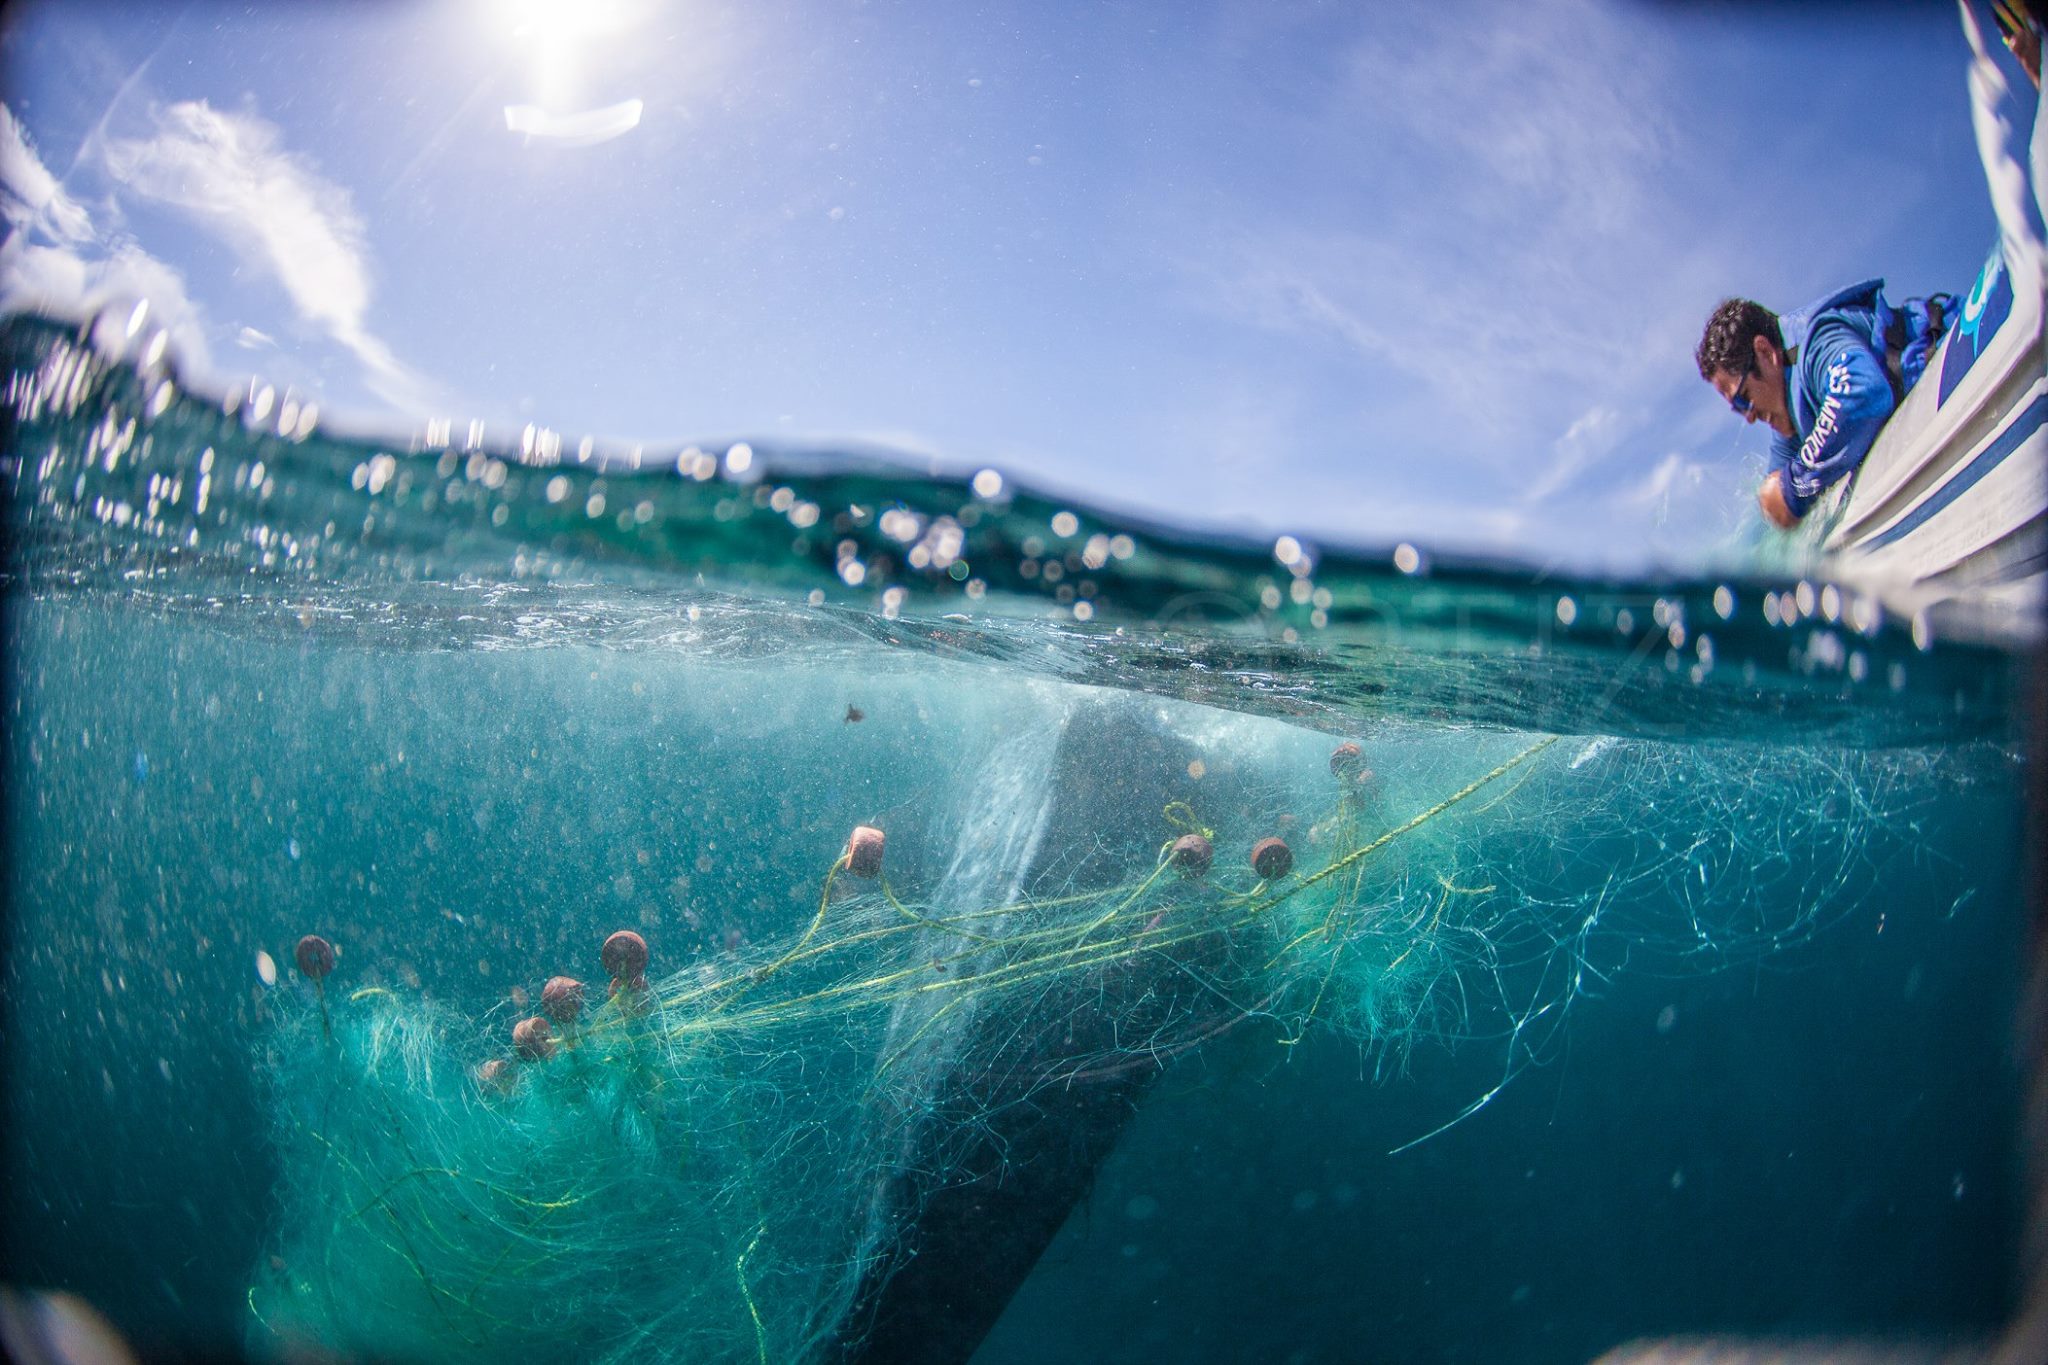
(1951,505)
(1949,513)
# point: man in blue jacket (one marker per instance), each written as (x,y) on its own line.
(1820,379)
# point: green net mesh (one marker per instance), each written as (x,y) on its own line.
(694,1166)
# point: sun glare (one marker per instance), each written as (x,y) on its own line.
(563,41)
(568,20)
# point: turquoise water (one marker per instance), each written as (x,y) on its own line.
(1659,978)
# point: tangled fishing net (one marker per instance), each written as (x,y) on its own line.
(720,1161)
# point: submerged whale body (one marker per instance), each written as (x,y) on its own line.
(1011,1140)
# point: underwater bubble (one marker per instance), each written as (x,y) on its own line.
(864,851)
(562,998)
(315,956)
(1192,855)
(624,954)
(533,1039)
(1272,859)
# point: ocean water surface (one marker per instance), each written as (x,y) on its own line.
(1637,958)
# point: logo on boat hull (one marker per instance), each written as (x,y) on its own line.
(1986,309)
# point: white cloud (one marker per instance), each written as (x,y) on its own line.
(1552,106)
(64,282)
(1516,312)
(54,262)
(1591,437)
(31,199)
(1519,256)
(230,173)
(1675,473)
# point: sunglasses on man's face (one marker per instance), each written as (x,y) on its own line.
(1739,400)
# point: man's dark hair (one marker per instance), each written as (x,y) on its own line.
(1728,341)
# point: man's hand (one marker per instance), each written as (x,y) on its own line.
(1771,497)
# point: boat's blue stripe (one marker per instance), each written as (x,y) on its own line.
(2012,438)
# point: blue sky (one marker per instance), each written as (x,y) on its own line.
(1360,272)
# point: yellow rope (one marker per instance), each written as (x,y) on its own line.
(746,1292)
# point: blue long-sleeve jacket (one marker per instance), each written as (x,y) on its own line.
(1839,390)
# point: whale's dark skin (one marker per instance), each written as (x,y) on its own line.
(1014,1138)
